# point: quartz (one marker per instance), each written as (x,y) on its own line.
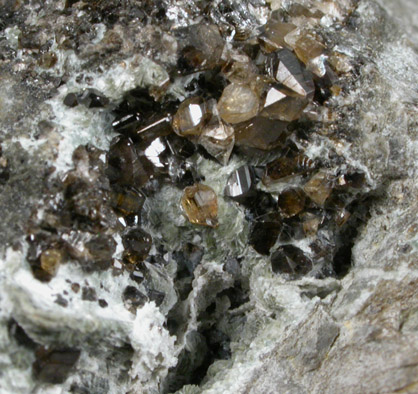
(200,205)
(319,187)
(241,184)
(291,202)
(261,133)
(137,244)
(285,68)
(190,117)
(238,103)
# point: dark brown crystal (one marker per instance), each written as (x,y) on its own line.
(54,365)
(137,244)
(284,167)
(289,259)
(291,202)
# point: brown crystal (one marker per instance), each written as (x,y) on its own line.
(190,117)
(127,201)
(137,244)
(318,188)
(239,68)
(307,47)
(217,137)
(200,204)
(289,259)
(279,106)
(341,217)
(274,32)
(284,167)
(311,223)
(285,68)
(238,103)
(50,260)
(291,202)
(261,133)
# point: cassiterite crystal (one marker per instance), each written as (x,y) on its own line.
(291,202)
(137,244)
(241,184)
(273,35)
(264,233)
(190,117)
(261,133)
(217,137)
(319,187)
(50,260)
(289,259)
(285,68)
(200,204)
(238,103)
(284,167)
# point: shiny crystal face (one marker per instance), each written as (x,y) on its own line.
(200,205)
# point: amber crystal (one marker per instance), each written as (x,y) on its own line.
(50,260)
(285,68)
(239,68)
(127,200)
(200,204)
(261,133)
(238,103)
(291,202)
(319,187)
(307,47)
(190,117)
(311,223)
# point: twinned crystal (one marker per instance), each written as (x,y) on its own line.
(200,205)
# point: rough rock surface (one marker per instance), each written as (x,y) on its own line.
(353,334)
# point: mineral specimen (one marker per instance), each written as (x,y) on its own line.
(137,245)
(190,117)
(200,204)
(289,259)
(291,202)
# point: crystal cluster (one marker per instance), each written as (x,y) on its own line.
(258,96)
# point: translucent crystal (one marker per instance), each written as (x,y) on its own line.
(307,48)
(291,202)
(238,103)
(289,259)
(190,117)
(50,260)
(239,68)
(217,137)
(279,106)
(261,133)
(273,34)
(200,204)
(318,188)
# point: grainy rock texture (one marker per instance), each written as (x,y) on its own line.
(353,332)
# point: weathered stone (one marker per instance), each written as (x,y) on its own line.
(200,204)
